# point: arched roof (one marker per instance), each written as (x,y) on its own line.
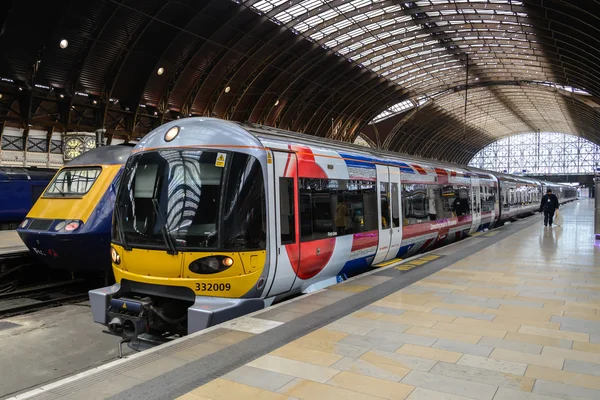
(323,67)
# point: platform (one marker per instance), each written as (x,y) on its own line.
(11,243)
(512,314)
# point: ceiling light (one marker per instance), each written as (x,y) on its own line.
(64,44)
(20,89)
(276,103)
(155,113)
(0,95)
(95,102)
(227,89)
(160,71)
(62,96)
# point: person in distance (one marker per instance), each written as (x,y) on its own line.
(549,206)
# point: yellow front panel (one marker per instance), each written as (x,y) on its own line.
(79,207)
(159,268)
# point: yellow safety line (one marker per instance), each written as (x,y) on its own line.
(385,264)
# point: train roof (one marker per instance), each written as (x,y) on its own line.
(31,173)
(105,155)
(253,136)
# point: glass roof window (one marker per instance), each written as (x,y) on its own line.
(394,110)
(393,40)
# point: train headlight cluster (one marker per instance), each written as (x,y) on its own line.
(68,226)
(71,226)
(114,256)
(211,265)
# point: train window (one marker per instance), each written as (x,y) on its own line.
(243,216)
(177,198)
(332,207)
(145,181)
(422,203)
(415,203)
(385,205)
(395,206)
(286,212)
(73,182)
(488,198)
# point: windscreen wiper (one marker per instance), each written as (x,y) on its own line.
(120,228)
(168,239)
(59,191)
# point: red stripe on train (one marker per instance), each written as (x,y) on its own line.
(365,240)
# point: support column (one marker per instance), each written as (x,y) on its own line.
(597,207)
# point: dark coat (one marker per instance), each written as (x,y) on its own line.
(549,203)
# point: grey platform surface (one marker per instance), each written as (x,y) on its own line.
(179,367)
(10,243)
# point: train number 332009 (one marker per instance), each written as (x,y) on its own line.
(213,287)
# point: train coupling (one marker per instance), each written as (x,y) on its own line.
(123,316)
(129,317)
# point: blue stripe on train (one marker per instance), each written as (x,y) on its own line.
(404,249)
(360,264)
(353,160)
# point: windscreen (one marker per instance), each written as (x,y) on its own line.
(193,199)
(73,182)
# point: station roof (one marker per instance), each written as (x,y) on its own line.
(433,78)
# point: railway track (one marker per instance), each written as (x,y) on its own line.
(42,296)
(26,286)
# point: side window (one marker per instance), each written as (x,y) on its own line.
(286,198)
(385,206)
(415,203)
(461,204)
(395,216)
(331,207)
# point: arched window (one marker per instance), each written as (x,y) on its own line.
(540,153)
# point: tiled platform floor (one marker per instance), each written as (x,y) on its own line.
(518,320)
(510,314)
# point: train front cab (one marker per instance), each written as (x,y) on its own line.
(68,226)
(189,237)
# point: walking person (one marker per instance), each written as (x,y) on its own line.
(549,205)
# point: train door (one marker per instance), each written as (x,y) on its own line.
(475,203)
(286,221)
(390,228)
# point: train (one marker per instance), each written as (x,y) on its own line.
(215,219)
(69,225)
(19,190)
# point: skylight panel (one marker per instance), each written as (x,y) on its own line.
(394,110)
(375,13)
(360,3)
(329,14)
(345,8)
(265,6)
(342,24)
(392,9)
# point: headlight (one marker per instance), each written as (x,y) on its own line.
(71,226)
(60,226)
(24,223)
(211,265)
(115,257)
(171,134)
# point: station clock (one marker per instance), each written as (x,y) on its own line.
(73,148)
(90,143)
